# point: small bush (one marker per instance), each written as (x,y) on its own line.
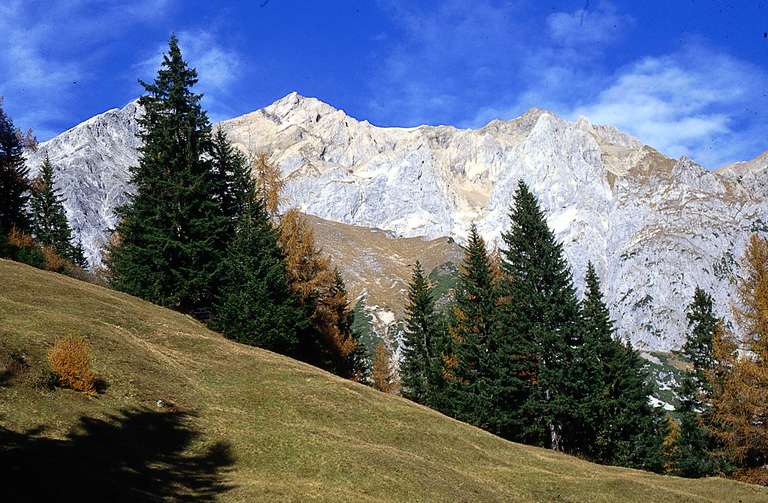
(22,248)
(70,362)
(53,261)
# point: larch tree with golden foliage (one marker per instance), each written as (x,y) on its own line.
(330,342)
(381,374)
(269,182)
(740,400)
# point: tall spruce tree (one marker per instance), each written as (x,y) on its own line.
(702,324)
(172,231)
(255,305)
(536,330)
(613,416)
(14,183)
(49,223)
(471,327)
(421,332)
(233,182)
(691,451)
(691,446)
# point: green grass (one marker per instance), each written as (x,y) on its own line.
(295,433)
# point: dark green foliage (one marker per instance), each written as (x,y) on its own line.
(172,233)
(48,220)
(14,184)
(702,324)
(232,177)
(692,451)
(419,343)
(690,454)
(616,423)
(471,328)
(536,330)
(255,305)
(357,363)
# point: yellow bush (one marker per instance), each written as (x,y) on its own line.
(53,261)
(19,239)
(69,360)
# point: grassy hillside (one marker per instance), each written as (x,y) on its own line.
(242,424)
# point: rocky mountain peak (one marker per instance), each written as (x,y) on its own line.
(654,227)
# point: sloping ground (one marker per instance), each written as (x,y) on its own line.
(252,425)
(378,264)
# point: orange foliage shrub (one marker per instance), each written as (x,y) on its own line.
(53,261)
(70,361)
(19,239)
(382,375)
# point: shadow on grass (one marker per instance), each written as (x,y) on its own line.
(135,455)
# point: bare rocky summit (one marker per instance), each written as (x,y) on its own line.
(654,227)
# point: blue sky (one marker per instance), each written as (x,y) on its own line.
(689,77)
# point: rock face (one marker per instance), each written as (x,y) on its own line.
(654,227)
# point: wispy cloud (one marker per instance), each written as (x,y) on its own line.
(218,68)
(689,103)
(466,64)
(46,48)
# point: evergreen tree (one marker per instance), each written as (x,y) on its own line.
(690,450)
(536,330)
(48,219)
(255,305)
(421,330)
(471,327)
(702,324)
(172,231)
(355,364)
(329,341)
(615,422)
(14,184)
(232,177)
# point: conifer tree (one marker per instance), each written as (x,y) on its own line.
(382,377)
(690,450)
(355,365)
(232,177)
(691,447)
(702,324)
(255,305)
(48,219)
(471,326)
(14,184)
(421,331)
(738,416)
(613,421)
(536,329)
(329,342)
(172,230)
(269,182)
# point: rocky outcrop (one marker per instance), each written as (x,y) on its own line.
(654,227)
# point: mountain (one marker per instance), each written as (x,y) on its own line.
(186,415)
(654,227)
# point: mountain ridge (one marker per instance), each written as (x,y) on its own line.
(655,227)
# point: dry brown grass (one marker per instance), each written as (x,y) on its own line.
(296,433)
(70,361)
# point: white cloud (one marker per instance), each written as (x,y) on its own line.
(466,64)
(688,103)
(46,48)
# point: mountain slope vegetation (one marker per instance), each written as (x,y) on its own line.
(182,412)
